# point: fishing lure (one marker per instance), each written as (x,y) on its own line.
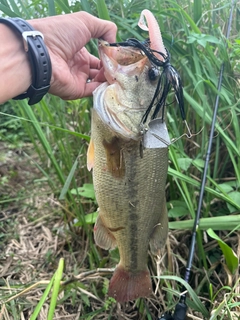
(169,77)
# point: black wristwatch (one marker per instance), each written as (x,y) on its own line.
(38,57)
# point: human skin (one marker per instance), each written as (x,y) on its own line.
(72,65)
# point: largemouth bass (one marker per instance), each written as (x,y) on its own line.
(129,172)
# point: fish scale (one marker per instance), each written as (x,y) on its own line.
(133,203)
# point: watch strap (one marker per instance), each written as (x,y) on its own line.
(38,57)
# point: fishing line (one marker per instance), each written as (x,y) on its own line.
(181,307)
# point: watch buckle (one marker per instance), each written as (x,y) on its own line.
(27,34)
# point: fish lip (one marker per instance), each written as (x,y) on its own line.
(123,56)
(102,43)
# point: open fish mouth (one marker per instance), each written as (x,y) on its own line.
(135,51)
(169,77)
(142,71)
(121,61)
(124,98)
(124,56)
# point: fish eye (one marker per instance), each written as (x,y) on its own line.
(153,73)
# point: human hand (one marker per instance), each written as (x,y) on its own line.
(72,65)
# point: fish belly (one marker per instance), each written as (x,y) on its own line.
(129,183)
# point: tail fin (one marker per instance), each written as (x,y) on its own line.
(125,285)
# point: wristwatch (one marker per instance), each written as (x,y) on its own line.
(39,59)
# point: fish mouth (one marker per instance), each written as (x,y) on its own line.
(124,56)
(127,60)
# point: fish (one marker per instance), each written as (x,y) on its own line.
(129,160)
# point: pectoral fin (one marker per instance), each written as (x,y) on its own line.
(160,233)
(103,236)
(114,156)
(90,156)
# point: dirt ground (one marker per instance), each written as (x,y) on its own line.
(31,232)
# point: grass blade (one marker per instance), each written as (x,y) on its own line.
(86,6)
(51,8)
(102,10)
(42,138)
(230,256)
(8,11)
(197,10)
(56,286)
(68,181)
(63,6)
(42,300)
(197,302)
(14,7)
(216,223)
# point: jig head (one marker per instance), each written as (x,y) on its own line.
(169,77)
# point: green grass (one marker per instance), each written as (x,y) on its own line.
(193,32)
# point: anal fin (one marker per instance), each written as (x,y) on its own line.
(103,236)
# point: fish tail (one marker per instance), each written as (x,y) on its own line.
(125,285)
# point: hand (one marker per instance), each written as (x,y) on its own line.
(72,65)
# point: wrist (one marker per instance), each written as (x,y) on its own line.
(14,65)
(38,57)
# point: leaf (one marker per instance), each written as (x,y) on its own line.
(177,209)
(224,187)
(229,254)
(86,191)
(184,163)
(85,299)
(89,218)
(202,39)
(235,196)
(177,212)
(199,163)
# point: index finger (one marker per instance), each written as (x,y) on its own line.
(100,28)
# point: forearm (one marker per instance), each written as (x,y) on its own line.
(65,37)
(15,73)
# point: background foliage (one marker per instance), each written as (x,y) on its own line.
(193,32)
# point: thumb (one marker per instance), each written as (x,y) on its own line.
(100,77)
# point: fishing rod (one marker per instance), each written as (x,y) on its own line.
(181,307)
